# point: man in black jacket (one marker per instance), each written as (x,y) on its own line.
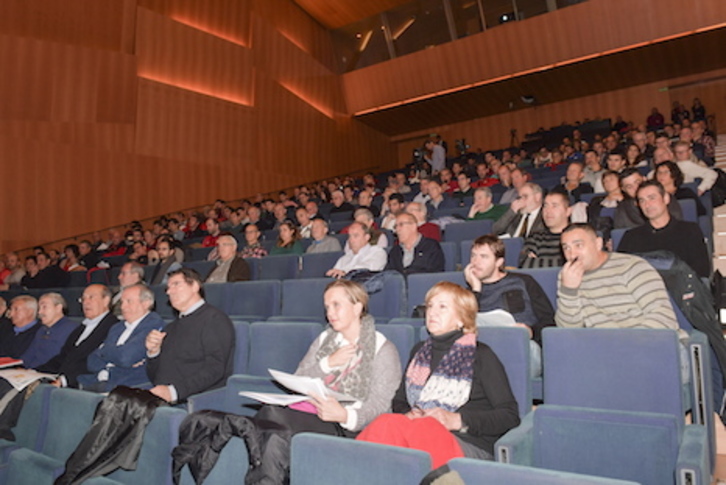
(71,362)
(414,253)
(195,352)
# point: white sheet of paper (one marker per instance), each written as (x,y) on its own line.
(495,318)
(307,385)
(20,378)
(272,398)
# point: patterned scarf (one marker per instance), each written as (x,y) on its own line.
(354,378)
(449,386)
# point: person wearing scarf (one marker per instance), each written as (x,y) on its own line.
(351,358)
(455,399)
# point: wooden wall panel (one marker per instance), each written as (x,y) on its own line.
(224,18)
(58,82)
(293,23)
(590,28)
(182,56)
(297,71)
(634,104)
(178,124)
(89,23)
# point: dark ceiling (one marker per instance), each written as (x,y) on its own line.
(334,14)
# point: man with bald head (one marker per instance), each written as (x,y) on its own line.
(121,359)
(52,334)
(17,335)
(71,361)
(13,263)
(427,229)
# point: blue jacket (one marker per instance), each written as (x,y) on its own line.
(124,358)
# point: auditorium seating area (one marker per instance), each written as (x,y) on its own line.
(279,312)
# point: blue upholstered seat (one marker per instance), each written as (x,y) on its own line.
(321,460)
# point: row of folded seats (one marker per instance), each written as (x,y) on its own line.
(614,407)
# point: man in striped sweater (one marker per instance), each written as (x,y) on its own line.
(600,289)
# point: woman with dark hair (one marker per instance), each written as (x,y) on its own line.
(671,178)
(633,157)
(455,398)
(70,263)
(288,242)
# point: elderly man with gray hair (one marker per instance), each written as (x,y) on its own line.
(17,334)
(121,359)
(322,242)
(229,267)
(52,335)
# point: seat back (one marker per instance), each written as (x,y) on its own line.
(253,298)
(472,471)
(316,264)
(622,369)
(198,254)
(33,419)
(547,279)
(70,416)
(304,297)
(642,447)
(281,267)
(279,345)
(402,336)
(511,344)
(419,284)
(467,231)
(162,305)
(241,347)
(390,302)
(451,254)
(322,460)
(160,438)
(201,267)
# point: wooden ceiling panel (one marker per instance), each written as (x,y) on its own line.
(334,14)
(665,60)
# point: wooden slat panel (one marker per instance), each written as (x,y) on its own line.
(223,18)
(293,23)
(58,82)
(91,23)
(284,62)
(180,55)
(182,125)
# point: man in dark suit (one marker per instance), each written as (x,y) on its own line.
(524,216)
(195,352)
(71,362)
(121,359)
(414,253)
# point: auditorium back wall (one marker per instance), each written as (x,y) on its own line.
(126,109)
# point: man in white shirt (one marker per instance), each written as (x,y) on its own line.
(359,254)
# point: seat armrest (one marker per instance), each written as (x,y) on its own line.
(516,446)
(693,465)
